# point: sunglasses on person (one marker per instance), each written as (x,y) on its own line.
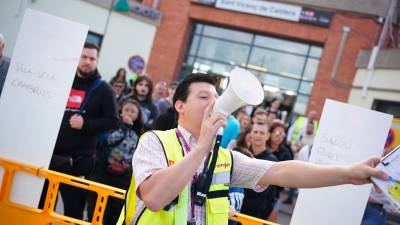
(279,134)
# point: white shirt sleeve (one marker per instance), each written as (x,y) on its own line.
(148,158)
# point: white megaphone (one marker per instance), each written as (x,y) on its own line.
(243,89)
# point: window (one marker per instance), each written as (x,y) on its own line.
(301,104)
(228,34)
(281,45)
(94,38)
(284,67)
(228,52)
(390,107)
(283,64)
(311,69)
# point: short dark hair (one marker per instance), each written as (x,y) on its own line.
(275,99)
(260,111)
(182,91)
(91,45)
(118,82)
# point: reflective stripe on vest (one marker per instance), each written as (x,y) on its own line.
(217,207)
(221,178)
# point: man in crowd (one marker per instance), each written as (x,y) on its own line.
(260,116)
(167,116)
(298,128)
(167,164)
(118,87)
(160,91)
(164,104)
(91,110)
(260,204)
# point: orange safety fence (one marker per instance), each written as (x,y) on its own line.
(12,213)
(249,220)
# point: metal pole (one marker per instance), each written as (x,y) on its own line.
(343,40)
(108,17)
(375,50)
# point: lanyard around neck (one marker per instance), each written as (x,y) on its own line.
(186,147)
(182,140)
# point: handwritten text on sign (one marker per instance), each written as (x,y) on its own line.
(35,93)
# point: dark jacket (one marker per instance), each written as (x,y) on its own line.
(260,204)
(166,121)
(100,115)
(149,112)
(283,153)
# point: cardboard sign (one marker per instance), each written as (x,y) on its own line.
(35,93)
(346,134)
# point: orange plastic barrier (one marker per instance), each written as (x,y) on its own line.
(12,213)
(249,220)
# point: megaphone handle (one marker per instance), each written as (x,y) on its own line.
(220,131)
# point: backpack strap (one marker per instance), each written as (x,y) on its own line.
(95,85)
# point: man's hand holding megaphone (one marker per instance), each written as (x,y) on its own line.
(212,122)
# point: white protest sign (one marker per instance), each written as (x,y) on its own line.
(346,134)
(35,94)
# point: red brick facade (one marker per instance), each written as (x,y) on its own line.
(170,43)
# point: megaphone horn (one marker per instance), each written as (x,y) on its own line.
(243,89)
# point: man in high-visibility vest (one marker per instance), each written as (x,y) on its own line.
(167,166)
(298,128)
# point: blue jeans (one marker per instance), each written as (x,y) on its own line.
(374,215)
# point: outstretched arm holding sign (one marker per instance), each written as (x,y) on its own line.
(306,175)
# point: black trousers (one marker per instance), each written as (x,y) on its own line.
(74,199)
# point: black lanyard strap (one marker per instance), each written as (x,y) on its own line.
(204,180)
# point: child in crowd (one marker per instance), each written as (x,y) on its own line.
(114,165)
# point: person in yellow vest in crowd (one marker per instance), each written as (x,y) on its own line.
(168,167)
(298,128)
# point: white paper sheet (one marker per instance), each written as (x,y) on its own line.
(35,93)
(346,134)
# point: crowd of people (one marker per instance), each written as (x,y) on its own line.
(103,122)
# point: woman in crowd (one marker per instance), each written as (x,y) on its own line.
(121,76)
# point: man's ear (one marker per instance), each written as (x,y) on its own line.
(179,106)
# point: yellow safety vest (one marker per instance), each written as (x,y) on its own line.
(216,205)
(298,126)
